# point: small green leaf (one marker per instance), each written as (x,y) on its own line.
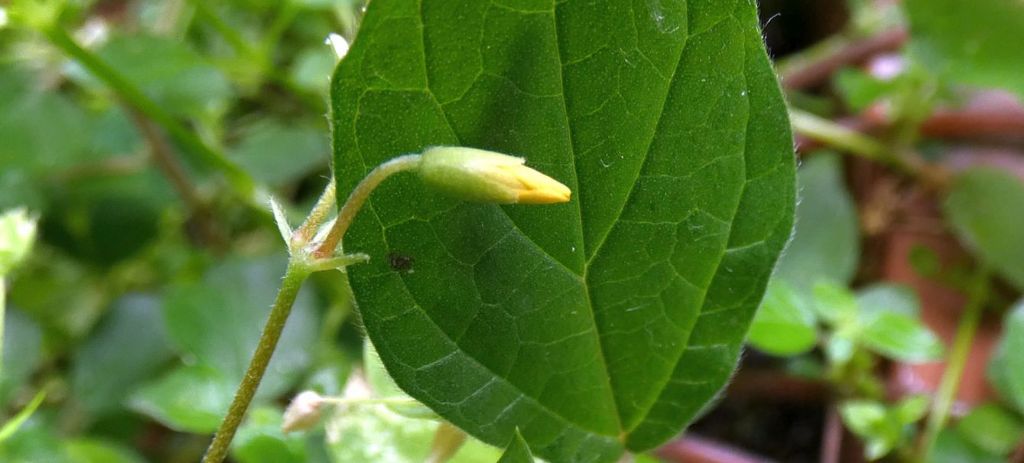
(517,451)
(192,399)
(260,440)
(59,293)
(968,41)
(312,68)
(887,297)
(646,458)
(784,325)
(1006,369)
(911,409)
(882,427)
(985,207)
(834,303)
(87,450)
(900,337)
(826,242)
(953,447)
(29,118)
(606,323)
(992,428)
(871,421)
(278,154)
(129,346)
(860,89)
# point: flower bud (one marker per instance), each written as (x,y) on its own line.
(485,176)
(303,413)
(17,233)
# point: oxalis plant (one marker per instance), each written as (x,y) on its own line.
(600,324)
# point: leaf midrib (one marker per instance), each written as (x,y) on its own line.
(579,214)
(542,251)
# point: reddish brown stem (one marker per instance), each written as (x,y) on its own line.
(163,156)
(816,72)
(832,437)
(975,122)
(775,386)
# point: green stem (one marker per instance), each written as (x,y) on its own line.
(262,55)
(284,17)
(946,394)
(826,131)
(11,426)
(358,197)
(296,273)
(134,96)
(232,36)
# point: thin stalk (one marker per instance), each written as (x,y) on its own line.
(853,142)
(11,426)
(134,96)
(293,277)
(163,156)
(284,17)
(826,131)
(950,382)
(324,205)
(358,197)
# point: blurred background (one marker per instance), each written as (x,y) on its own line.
(146,137)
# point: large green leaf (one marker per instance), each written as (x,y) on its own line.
(593,326)
(970,41)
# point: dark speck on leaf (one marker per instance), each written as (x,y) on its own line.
(399,262)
